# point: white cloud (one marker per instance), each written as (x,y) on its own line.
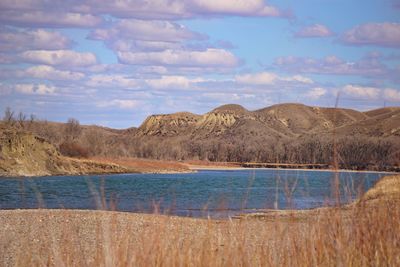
(380,34)
(316,93)
(367,66)
(48,19)
(316,30)
(178,9)
(262,78)
(120,103)
(39,89)
(268,78)
(173,82)
(361,91)
(297,78)
(140,35)
(235,7)
(31,40)
(64,58)
(169,82)
(226,97)
(208,58)
(102,80)
(132,45)
(391,95)
(146,31)
(50,73)
(373,93)
(152,69)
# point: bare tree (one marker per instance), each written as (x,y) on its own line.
(32,118)
(21,119)
(72,129)
(9,116)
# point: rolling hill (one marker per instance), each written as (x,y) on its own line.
(284,120)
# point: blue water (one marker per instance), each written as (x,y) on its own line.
(205,193)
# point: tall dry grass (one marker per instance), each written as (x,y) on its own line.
(361,234)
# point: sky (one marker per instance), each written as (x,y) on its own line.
(115,62)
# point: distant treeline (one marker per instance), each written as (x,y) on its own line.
(353,152)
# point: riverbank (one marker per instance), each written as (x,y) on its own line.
(233,168)
(363,233)
(147,165)
(23,154)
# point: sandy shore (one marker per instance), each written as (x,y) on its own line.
(52,234)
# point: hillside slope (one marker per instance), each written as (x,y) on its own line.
(284,133)
(381,123)
(279,120)
(24,154)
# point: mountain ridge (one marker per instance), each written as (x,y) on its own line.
(289,119)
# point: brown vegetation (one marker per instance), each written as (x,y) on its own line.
(24,154)
(146,165)
(280,134)
(72,149)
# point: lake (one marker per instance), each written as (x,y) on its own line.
(204,193)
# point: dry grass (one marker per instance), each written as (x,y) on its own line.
(145,165)
(211,164)
(366,233)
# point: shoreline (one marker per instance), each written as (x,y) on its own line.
(194,169)
(224,168)
(2,176)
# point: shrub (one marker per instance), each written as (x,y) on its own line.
(73,149)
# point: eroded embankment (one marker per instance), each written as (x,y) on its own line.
(25,154)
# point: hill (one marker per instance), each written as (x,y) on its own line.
(24,154)
(284,133)
(288,120)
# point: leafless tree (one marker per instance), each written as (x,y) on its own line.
(72,129)
(21,119)
(9,116)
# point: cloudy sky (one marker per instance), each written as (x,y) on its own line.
(114,62)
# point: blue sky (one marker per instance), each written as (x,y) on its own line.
(113,63)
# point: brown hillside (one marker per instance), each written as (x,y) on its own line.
(279,120)
(380,111)
(24,154)
(295,119)
(382,122)
(168,125)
